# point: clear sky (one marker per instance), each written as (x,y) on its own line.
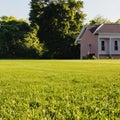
(17,8)
(107,8)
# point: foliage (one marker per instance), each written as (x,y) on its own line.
(17,38)
(118,21)
(99,20)
(31,43)
(60,90)
(60,22)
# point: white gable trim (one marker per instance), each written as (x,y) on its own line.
(80,34)
(98,28)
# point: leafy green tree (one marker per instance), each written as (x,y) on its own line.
(118,21)
(15,38)
(60,22)
(99,20)
(31,43)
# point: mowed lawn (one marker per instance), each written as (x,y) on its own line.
(59,90)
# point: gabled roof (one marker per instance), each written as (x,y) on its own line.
(93,28)
(105,28)
(96,29)
(109,28)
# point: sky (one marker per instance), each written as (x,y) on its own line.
(17,8)
(109,9)
(106,8)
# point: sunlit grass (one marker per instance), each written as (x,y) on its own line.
(60,89)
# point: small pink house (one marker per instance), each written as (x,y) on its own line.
(101,41)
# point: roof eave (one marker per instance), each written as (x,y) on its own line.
(110,33)
(80,35)
(95,32)
(77,41)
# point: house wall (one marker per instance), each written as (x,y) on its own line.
(89,39)
(109,45)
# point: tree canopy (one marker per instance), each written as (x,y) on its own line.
(18,39)
(59,22)
(117,21)
(99,20)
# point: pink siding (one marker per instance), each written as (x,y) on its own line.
(89,38)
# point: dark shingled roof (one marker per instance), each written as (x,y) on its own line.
(104,28)
(93,28)
(109,28)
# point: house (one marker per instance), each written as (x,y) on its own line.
(101,41)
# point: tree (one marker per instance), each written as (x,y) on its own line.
(60,23)
(99,20)
(31,43)
(15,35)
(118,21)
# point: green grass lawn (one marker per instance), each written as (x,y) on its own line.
(60,90)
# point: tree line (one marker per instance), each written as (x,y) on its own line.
(18,39)
(50,32)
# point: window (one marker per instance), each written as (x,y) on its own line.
(116,45)
(103,45)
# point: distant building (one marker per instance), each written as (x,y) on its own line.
(101,41)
